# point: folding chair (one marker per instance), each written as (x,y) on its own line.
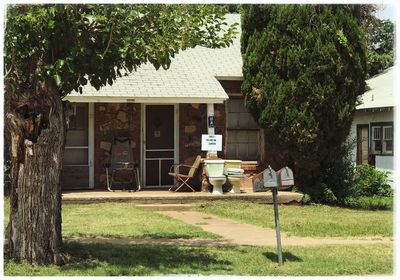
(122,168)
(181,177)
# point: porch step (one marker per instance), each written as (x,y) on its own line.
(167,207)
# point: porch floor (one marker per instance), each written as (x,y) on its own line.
(167,197)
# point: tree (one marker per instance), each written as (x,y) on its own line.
(379,36)
(304,67)
(51,50)
(380,46)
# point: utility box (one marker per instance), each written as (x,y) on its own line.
(285,177)
(270,178)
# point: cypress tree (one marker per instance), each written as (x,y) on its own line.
(304,68)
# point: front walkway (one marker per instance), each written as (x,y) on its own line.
(245,234)
(231,234)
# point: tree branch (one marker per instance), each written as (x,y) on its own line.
(109,40)
(9,70)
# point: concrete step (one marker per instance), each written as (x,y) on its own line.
(167,207)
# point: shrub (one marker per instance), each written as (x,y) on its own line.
(369,202)
(369,181)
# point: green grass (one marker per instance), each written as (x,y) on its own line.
(120,220)
(108,260)
(310,220)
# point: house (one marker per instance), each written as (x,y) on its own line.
(164,112)
(373,124)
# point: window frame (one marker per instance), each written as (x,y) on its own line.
(239,96)
(382,126)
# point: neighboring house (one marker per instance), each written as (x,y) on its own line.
(165,113)
(373,124)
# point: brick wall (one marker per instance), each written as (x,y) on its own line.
(120,119)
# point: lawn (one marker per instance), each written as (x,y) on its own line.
(120,220)
(310,220)
(126,220)
(108,260)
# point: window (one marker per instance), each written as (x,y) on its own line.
(382,139)
(243,132)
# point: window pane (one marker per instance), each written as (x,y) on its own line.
(376,133)
(232,137)
(243,145)
(231,151)
(389,146)
(377,146)
(242,151)
(253,136)
(233,120)
(238,116)
(253,151)
(388,132)
(242,137)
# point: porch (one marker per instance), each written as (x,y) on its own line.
(166,197)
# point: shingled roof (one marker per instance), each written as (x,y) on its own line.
(380,94)
(192,78)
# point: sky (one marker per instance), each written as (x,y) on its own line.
(387,12)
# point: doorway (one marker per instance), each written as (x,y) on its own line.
(362,143)
(77,171)
(159,145)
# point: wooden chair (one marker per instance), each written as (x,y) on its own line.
(181,177)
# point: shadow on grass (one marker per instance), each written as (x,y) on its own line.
(287,256)
(139,259)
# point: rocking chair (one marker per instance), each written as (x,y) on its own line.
(181,177)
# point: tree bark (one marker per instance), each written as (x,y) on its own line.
(36,124)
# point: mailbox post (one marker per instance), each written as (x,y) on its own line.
(272,180)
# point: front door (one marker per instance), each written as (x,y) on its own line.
(75,171)
(159,145)
(362,144)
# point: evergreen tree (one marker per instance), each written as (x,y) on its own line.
(304,68)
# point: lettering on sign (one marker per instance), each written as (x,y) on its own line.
(211,142)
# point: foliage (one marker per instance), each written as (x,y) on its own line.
(314,220)
(380,42)
(304,69)
(151,260)
(337,178)
(369,202)
(369,182)
(73,45)
(51,50)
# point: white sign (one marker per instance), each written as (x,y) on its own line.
(211,142)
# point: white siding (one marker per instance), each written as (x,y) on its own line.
(384,163)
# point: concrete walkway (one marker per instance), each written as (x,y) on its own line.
(236,233)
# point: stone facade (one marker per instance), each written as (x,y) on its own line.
(113,119)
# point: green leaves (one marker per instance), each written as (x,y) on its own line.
(57,79)
(63,43)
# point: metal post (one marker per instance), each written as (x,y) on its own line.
(277,226)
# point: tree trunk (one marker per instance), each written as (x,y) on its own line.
(37,130)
